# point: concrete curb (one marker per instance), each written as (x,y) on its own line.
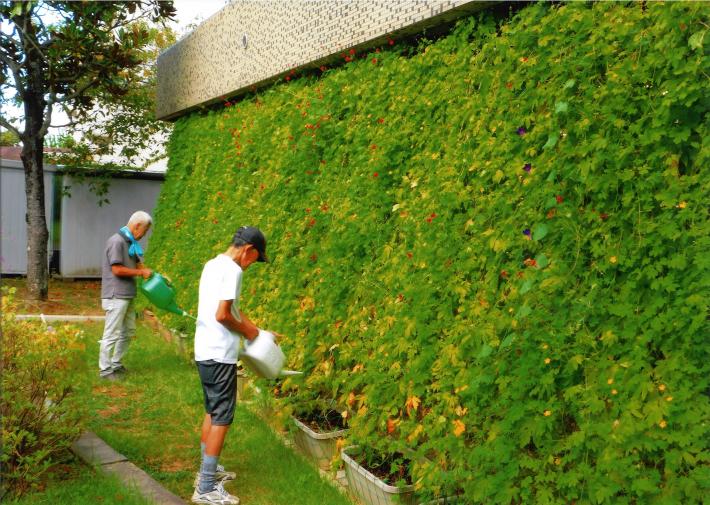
(50,318)
(95,452)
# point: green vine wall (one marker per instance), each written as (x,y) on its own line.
(491,249)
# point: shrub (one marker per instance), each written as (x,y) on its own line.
(41,416)
(492,251)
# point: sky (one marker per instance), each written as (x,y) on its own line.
(194,11)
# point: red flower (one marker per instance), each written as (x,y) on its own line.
(324,207)
(509,85)
(504,274)
(313,257)
(390,42)
(348,59)
(559,198)
(603,216)
(308,210)
(409,255)
(375,174)
(352,51)
(374,61)
(214,221)
(380,120)
(288,77)
(373,146)
(323,68)
(311,222)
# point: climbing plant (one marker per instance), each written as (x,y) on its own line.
(489,249)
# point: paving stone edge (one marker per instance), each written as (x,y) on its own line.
(96,453)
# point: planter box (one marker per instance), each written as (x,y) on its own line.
(370,489)
(320,447)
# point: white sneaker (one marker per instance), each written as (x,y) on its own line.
(220,475)
(218,496)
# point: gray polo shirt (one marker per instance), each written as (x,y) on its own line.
(116,253)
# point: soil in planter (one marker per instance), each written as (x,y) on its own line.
(392,469)
(322,421)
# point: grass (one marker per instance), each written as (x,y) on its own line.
(81,297)
(154,415)
(77,484)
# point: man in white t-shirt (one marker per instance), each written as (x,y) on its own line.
(220,326)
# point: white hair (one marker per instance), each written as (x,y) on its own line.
(140,217)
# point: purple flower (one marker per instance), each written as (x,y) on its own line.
(526,231)
(527,167)
(521,131)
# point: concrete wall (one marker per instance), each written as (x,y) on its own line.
(252,42)
(13,207)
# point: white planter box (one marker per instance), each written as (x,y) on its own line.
(320,447)
(372,490)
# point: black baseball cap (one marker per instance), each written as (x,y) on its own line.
(253,236)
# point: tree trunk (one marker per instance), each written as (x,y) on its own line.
(37,233)
(33,163)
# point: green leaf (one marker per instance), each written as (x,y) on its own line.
(527,285)
(551,141)
(542,260)
(486,351)
(539,231)
(569,84)
(523,312)
(507,341)
(561,107)
(696,40)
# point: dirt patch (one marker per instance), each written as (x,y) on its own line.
(110,411)
(80,297)
(178,465)
(112,391)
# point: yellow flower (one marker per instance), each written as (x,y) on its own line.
(669,398)
(662,387)
(663,423)
(682,205)
(547,413)
(612,259)
(558,461)
(610,381)
(547,361)
(614,391)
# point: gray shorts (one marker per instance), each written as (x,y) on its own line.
(219,385)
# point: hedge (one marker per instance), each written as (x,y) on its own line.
(491,249)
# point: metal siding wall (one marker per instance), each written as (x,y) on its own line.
(86,226)
(13,226)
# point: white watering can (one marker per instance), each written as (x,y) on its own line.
(264,357)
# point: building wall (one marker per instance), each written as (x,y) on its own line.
(13,207)
(86,225)
(252,42)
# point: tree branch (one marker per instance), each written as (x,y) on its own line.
(14,67)
(9,126)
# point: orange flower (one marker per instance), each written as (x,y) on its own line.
(547,413)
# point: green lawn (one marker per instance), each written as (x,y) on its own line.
(154,415)
(77,484)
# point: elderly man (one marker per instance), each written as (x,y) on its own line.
(122,261)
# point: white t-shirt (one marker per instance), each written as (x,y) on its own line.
(221,280)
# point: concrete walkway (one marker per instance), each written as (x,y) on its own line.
(50,318)
(95,452)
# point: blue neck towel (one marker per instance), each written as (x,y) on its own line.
(135,248)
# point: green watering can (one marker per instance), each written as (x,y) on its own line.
(161,294)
